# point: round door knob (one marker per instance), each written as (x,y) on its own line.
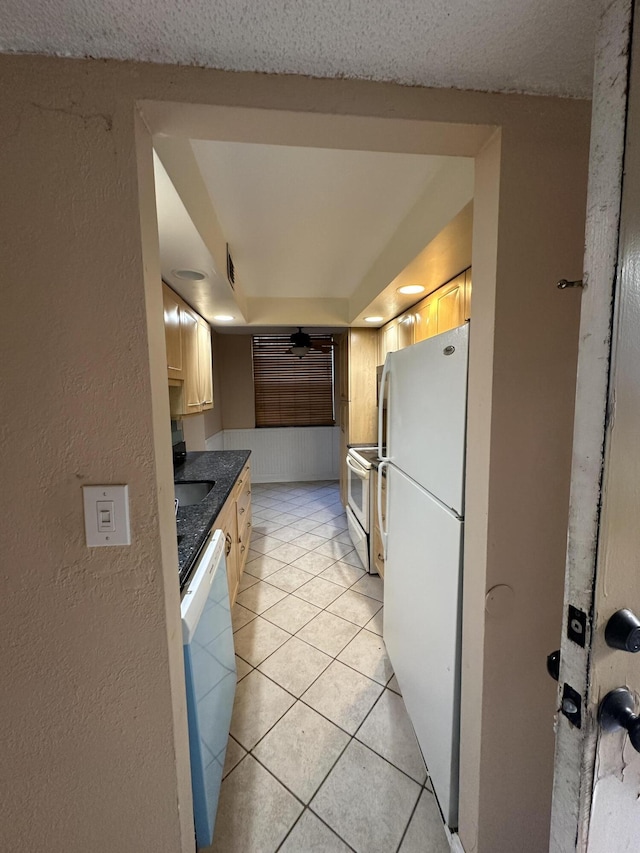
(553,664)
(616,711)
(623,631)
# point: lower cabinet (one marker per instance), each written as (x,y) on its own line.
(235,521)
(243,517)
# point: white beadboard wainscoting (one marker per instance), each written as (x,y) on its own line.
(215,442)
(284,455)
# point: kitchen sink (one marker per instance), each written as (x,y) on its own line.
(191,492)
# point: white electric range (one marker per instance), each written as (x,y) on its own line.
(361,502)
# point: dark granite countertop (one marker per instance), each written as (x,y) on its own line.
(195,522)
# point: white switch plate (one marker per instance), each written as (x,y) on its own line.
(118,497)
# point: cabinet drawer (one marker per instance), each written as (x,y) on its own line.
(244,502)
(243,483)
(244,540)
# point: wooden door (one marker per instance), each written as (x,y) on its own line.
(597,773)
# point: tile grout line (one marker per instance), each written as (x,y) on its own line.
(332,658)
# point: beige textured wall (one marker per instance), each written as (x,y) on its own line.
(213,417)
(90,730)
(236,375)
(94,728)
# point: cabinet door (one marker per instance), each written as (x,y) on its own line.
(227,521)
(405,330)
(389,338)
(172,333)
(191,393)
(426,323)
(450,304)
(467,294)
(363,360)
(205,365)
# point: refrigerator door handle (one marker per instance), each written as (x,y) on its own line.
(383,532)
(381,409)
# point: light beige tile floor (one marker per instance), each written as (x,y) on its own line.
(322,757)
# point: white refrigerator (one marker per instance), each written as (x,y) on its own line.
(426,406)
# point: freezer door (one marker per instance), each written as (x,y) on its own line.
(422,625)
(427,412)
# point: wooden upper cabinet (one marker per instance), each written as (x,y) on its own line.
(173,332)
(397,334)
(446,308)
(192,396)
(406,325)
(205,365)
(189,362)
(388,339)
(467,295)
(451,304)
(426,320)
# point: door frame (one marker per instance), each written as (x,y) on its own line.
(575,751)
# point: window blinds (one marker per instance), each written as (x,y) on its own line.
(292,391)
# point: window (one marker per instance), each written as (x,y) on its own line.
(292,391)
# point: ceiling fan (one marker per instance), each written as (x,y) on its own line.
(301,343)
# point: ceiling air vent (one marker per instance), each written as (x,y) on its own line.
(231,270)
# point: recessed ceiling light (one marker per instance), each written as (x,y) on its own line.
(190,275)
(373,319)
(411,288)
(223,318)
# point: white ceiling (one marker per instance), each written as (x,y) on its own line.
(313,232)
(544,47)
(309,221)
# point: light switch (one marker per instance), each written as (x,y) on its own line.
(106,515)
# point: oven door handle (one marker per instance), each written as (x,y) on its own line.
(357,469)
(383,533)
(381,408)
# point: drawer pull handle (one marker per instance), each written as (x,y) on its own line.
(243,549)
(241,510)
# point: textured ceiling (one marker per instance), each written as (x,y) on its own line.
(536,46)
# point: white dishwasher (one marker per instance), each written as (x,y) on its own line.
(210,671)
